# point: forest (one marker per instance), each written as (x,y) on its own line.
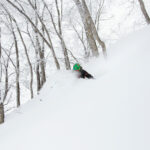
(39,37)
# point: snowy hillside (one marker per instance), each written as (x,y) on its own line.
(108,113)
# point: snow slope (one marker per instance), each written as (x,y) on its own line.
(108,113)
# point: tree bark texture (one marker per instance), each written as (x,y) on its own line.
(1,113)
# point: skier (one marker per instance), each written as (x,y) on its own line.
(81,73)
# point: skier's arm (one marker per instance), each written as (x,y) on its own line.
(87,75)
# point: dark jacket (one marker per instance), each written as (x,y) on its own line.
(85,74)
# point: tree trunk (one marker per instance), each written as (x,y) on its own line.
(1,113)
(6,84)
(17,67)
(17,72)
(63,44)
(93,28)
(86,19)
(43,64)
(0,68)
(1,101)
(6,67)
(28,59)
(38,77)
(41,57)
(37,51)
(143,9)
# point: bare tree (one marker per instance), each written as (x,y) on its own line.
(49,44)
(1,102)
(60,34)
(90,29)
(27,56)
(59,31)
(41,76)
(143,9)
(6,88)
(37,16)
(87,27)
(17,69)
(98,14)
(37,49)
(81,38)
(25,48)
(33,42)
(17,65)
(6,64)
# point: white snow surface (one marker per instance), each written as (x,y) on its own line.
(110,112)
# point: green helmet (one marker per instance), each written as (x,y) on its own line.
(76,67)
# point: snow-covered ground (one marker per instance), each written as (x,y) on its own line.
(110,112)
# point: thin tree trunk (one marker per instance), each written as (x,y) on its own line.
(6,84)
(17,66)
(59,34)
(41,55)
(2,113)
(143,9)
(82,40)
(37,65)
(17,71)
(28,59)
(37,61)
(1,102)
(38,77)
(42,66)
(6,67)
(37,51)
(0,68)
(67,61)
